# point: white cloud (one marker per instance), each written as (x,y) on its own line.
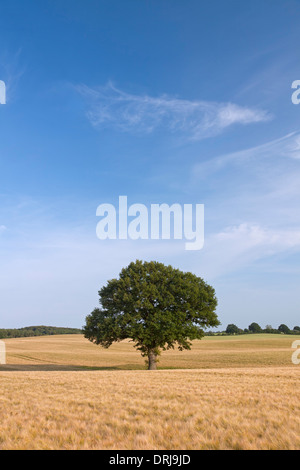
(246,236)
(110,106)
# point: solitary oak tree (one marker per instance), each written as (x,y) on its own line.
(154,305)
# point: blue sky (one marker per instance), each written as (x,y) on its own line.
(165,102)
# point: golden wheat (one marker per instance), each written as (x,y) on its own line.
(182,409)
(213,406)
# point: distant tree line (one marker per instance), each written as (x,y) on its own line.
(29,331)
(231,329)
(255,328)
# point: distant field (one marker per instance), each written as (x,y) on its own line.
(62,392)
(211,352)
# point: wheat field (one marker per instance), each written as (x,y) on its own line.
(64,393)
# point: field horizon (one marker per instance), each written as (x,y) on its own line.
(252,350)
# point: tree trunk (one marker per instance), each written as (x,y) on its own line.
(151,360)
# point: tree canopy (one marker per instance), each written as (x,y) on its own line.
(154,305)
(41,330)
(233,329)
(255,328)
(284,329)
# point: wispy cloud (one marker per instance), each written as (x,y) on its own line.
(255,214)
(112,107)
(240,246)
(286,147)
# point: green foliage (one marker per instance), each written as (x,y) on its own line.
(156,306)
(30,331)
(232,329)
(255,328)
(284,329)
(270,330)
